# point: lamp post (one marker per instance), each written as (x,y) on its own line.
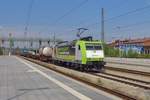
(11,43)
(119,43)
(0,36)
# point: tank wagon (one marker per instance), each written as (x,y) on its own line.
(83,54)
(45,54)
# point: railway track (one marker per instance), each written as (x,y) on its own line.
(127,70)
(133,76)
(128,78)
(116,93)
(125,80)
(129,81)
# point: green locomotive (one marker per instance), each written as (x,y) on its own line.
(83,54)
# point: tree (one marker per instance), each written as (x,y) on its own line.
(1,52)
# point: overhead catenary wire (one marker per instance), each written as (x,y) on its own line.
(132,25)
(70,11)
(125,28)
(124,14)
(128,13)
(67,13)
(81,22)
(121,15)
(76,25)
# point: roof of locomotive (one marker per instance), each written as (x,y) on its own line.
(84,39)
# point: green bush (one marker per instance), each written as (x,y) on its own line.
(132,54)
(144,56)
(147,56)
(111,52)
(114,52)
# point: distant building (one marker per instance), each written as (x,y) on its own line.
(142,46)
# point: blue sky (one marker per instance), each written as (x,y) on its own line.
(13,16)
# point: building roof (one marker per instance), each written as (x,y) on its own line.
(143,42)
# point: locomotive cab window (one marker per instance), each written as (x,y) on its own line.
(89,48)
(94,47)
(98,47)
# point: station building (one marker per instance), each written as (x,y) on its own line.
(142,46)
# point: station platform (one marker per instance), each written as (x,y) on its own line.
(132,61)
(24,80)
(129,63)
